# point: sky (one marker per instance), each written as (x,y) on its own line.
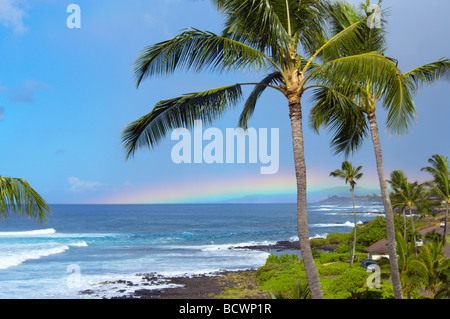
(67,93)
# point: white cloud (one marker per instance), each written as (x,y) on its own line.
(24,93)
(78,185)
(11,15)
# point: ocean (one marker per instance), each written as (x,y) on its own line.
(103,248)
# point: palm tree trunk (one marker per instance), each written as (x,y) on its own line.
(390,228)
(312,275)
(413,230)
(404,224)
(444,241)
(354,232)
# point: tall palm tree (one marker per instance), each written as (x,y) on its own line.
(350,119)
(18,197)
(285,39)
(350,174)
(440,171)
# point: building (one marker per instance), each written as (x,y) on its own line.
(378,250)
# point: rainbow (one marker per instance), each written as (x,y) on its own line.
(206,189)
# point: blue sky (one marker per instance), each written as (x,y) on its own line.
(66,94)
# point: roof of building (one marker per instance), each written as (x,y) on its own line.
(380,247)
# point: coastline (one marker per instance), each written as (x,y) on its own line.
(209,286)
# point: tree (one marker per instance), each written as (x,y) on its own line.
(405,254)
(352,281)
(397,180)
(430,269)
(18,197)
(350,174)
(440,171)
(285,39)
(407,195)
(350,118)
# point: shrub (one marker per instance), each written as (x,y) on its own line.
(433,236)
(317,242)
(351,283)
(280,273)
(375,230)
(335,269)
(337,238)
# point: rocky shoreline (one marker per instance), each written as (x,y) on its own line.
(205,286)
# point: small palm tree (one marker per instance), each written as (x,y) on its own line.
(397,180)
(405,253)
(408,195)
(350,174)
(440,171)
(430,269)
(300,291)
(18,197)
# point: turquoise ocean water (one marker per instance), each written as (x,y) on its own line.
(81,247)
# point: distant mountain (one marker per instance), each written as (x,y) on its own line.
(338,194)
(366,198)
(263,199)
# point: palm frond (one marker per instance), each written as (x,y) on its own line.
(380,76)
(258,23)
(440,170)
(178,112)
(18,197)
(197,50)
(250,104)
(343,15)
(428,73)
(344,119)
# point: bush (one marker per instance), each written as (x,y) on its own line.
(332,257)
(351,283)
(274,259)
(375,230)
(318,242)
(337,238)
(280,273)
(335,269)
(433,236)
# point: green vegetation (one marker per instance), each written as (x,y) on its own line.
(282,276)
(18,197)
(425,275)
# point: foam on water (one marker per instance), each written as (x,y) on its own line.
(37,232)
(110,244)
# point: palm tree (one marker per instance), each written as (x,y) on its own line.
(300,291)
(405,254)
(285,39)
(408,195)
(350,174)
(440,171)
(351,118)
(397,180)
(18,197)
(430,269)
